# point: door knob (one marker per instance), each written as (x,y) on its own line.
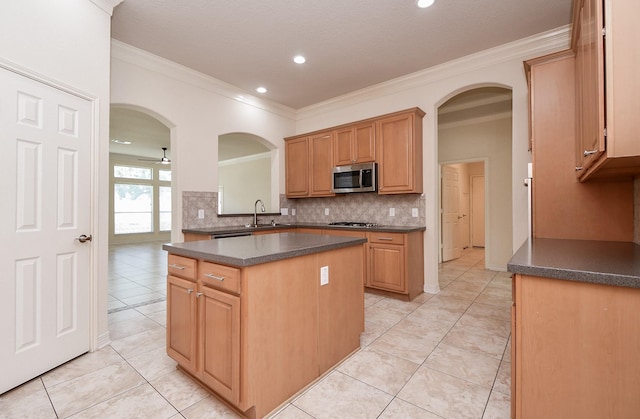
(84,238)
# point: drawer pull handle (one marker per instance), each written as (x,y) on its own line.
(589,152)
(216,277)
(176,266)
(388,239)
(189,291)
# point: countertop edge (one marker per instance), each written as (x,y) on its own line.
(618,266)
(239,229)
(257,260)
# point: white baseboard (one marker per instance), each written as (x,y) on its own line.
(104,340)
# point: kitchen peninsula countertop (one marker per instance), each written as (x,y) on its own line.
(590,261)
(244,229)
(254,250)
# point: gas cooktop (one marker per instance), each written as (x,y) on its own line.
(352,224)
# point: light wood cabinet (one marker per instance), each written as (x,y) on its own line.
(355,144)
(296,153)
(574,349)
(182,321)
(240,330)
(309,165)
(399,152)
(562,207)
(219,349)
(394,141)
(605,40)
(395,263)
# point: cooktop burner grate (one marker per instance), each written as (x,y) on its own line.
(352,224)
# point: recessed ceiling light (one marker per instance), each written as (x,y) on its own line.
(125,142)
(425,3)
(261,89)
(299,59)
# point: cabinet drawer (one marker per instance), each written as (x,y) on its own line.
(182,267)
(220,276)
(389,238)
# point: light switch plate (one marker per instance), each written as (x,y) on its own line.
(324,275)
(201,214)
(392,212)
(414,212)
(284,211)
(293,211)
(326,211)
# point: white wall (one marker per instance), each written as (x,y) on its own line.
(198,109)
(244,181)
(67,43)
(501,66)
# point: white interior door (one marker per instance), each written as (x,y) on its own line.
(477,211)
(45,145)
(450,212)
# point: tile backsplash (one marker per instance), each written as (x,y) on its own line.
(361,207)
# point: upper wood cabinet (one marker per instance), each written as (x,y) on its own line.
(394,141)
(296,153)
(355,144)
(605,39)
(309,164)
(399,152)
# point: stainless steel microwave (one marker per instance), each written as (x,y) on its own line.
(355,178)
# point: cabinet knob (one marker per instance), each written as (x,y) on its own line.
(189,291)
(198,295)
(578,168)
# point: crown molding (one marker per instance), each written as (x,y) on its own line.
(136,56)
(107,5)
(537,45)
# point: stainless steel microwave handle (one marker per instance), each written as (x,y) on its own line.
(361,185)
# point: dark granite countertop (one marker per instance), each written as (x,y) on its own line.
(253,250)
(597,262)
(241,228)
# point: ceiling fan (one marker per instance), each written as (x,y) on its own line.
(163,160)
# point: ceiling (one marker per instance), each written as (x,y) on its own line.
(349,44)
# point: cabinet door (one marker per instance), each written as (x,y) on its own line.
(343,147)
(590,85)
(386,267)
(297,167)
(355,144)
(364,147)
(219,325)
(399,155)
(182,322)
(321,158)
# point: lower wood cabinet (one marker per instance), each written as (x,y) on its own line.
(396,263)
(256,336)
(182,322)
(574,349)
(219,337)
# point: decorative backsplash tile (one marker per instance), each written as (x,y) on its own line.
(359,207)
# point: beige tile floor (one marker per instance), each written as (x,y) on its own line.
(440,356)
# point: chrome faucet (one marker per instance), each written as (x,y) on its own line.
(255,212)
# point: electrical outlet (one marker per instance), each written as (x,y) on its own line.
(201,214)
(414,212)
(324,275)
(284,211)
(326,211)
(392,212)
(293,211)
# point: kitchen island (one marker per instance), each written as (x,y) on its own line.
(258,318)
(575,329)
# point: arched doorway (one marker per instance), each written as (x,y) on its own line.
(475,138)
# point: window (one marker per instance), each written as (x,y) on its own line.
(141,199)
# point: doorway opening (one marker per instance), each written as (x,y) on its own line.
(475,158)
(463,208)
(140,209)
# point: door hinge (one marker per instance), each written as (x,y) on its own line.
(604,132)
(604,32)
